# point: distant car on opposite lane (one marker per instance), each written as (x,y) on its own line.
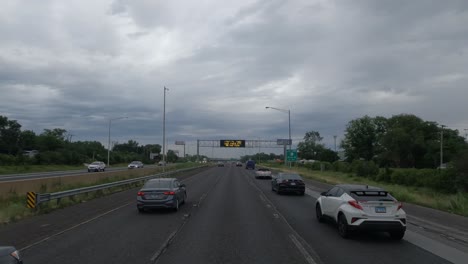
(161,193)
(220,164)
(136,165)
(288,183)
(362,207)
(9,255)
(97,166)
(162,163)
(263,173)
(238,164)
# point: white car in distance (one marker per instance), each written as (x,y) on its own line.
(136,165)
(263,173)
(97,166)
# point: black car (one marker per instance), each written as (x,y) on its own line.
(161,193)
(9,255)
(288,183)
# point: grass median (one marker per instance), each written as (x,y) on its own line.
(456,203)
(13,206)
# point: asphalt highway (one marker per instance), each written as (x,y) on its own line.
(39,175)
(229,217)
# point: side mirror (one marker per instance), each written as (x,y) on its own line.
(324,194)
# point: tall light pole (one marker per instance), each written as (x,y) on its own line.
(288,111)
(109,136)
(164,127)
(441,146)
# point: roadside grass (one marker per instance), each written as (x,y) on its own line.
(44,168)
(13,208)
(456,203)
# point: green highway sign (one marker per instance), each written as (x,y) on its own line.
(291,155)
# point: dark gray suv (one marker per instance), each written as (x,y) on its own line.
(161,193)
(9,255)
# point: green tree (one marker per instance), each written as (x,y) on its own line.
(28,140)
(310,147)
(363,138)
(172,156)
(130,146)
(10,135)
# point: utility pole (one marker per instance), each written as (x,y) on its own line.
(466,133)
(442,146)
(334,137)
(164,128)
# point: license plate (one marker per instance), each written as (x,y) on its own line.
(380,209)
(154,196)
(293,183)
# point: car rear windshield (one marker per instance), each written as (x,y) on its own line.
(96,163)
(158,184)
(372,196)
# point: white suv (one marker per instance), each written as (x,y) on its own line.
(362,207)
(97,166)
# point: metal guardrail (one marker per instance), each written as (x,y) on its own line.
(46,197)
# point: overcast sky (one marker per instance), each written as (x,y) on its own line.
(76,64)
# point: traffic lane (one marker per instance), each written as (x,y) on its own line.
(39,175)
(299,211)
(446,232)
(19,234)
(122,236)
(233,225)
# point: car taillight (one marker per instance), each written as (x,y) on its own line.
(400,205)
(140,194)
(169,193)
(355,204)
(15,254)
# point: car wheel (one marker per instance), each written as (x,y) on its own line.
(104,169)
(397,235)
(301,193)
(343,229)
(141,210)
(89,170)
(176,206)
(185,197)
(318,213)
(278,191)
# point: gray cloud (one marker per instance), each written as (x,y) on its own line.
(75,65)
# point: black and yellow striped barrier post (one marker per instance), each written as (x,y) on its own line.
(31,200)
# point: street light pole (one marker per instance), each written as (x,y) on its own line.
(288,111)
(109,137)
(164,127)
(441,146)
